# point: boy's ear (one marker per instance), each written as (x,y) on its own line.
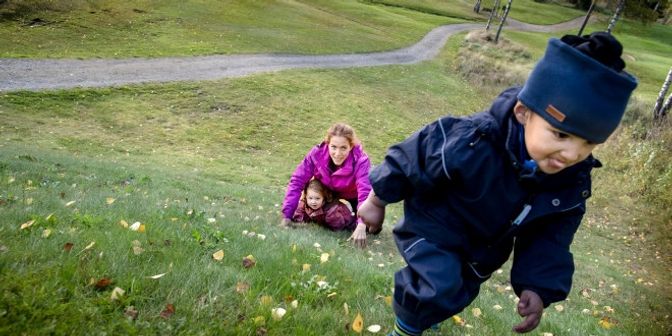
(521,112)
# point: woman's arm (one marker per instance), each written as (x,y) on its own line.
(301,175)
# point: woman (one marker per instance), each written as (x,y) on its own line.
(341,164)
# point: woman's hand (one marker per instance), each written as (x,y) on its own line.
(531,308)
(372,212)
(358,236)
(285,222)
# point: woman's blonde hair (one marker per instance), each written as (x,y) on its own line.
(344,130)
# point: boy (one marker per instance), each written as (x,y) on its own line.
(513,178)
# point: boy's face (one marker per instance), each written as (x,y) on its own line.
(552,149)
(314,199)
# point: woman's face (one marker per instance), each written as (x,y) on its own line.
(314,199)
(339,148)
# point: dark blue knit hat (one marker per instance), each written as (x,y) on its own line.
(574,89)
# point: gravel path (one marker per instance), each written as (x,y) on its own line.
(41,74)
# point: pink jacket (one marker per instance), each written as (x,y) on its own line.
(350,181)
(335,216)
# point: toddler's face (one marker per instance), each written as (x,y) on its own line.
(552,149)
(314,199)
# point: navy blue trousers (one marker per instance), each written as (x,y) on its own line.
(435,285)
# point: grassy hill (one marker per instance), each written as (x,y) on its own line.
(203,167)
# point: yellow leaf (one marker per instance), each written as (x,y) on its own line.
(358,323)
(294,304)
(266,300)
(141,229)
(346,309)
(259,320)
(306,267)
(293,248)
(11,180)
(27,224)
(559,308)
(497,307)
(476,312)
(605,323)
(109,200)
(123,223)
(388,300)
(137,250)
(49,217)
(89,246)
(458,320)
(242,287)
(324,257)
(219,255)
(69,203)
(46,233)
(117,293)
(332,294)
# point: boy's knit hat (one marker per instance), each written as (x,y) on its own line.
(579,86)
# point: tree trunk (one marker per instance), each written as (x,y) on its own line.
(501,23)
(617,14)
(477,6)
(492,14)
(585,21)
(666,108)
(658,107)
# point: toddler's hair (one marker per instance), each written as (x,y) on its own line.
(317,186)
(344,130)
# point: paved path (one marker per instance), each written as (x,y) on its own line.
(41,74)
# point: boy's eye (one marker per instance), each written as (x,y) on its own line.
(560,135)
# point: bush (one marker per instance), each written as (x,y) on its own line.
(12,9)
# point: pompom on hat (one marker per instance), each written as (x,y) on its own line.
(579,86)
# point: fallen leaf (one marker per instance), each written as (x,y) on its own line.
(242,287)
(332,294)
(476,312)
(49,217)
(559,308)
(374,328)
(261,331)
(141,229)
(135,226)
(131,312)
(259,320)
(249,261)
(388,300)
(346,309)
(547,334)
(103,283)
(608,309)
(219,255)
(324,257)
(278,313)
(266,300)
(293,248)
(317,245)
(606,322)
(68,246)
(497,307)
(70,203)
(29,201)
(117,293)
(88,247)
(261,236)
(137,250)
(168,312)
(27,224)
(158,276)
(458,320)
(358,323)
(305,267)
(294,304)
(46,233)
(109,200)
(123,223)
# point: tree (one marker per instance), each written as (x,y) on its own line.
(501,23)
(585,21)
(617,14)
(660,109)
(477,6)
(492,14)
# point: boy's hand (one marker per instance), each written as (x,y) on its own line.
(531,308)
(372,213)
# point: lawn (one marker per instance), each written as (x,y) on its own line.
(201,167)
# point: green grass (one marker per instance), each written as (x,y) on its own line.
(178,156)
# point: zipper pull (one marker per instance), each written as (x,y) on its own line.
(522,215)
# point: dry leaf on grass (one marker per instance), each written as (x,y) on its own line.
(358,323)
(249,261)
(117,293)
(103,283)
(68,246)
(27,224)
(168,311)
(219,255)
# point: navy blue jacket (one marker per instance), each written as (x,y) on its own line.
(465,190)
